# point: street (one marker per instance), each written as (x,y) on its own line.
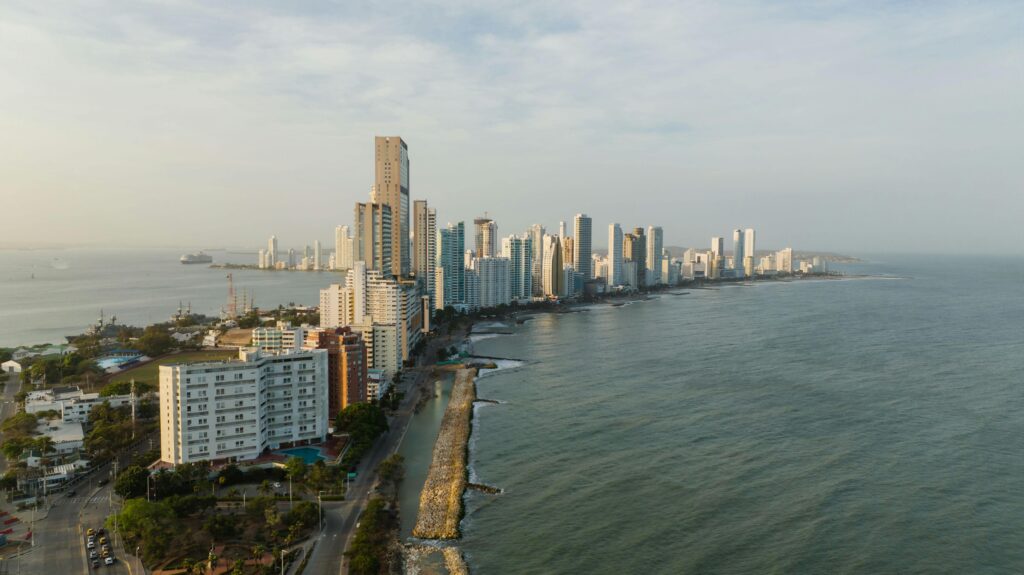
(9,406)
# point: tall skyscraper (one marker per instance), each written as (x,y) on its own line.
(272,252)
(494,281)
(553,279)
(749,247)
(582,250)
(784,260)
(347,363)
(634,249)
(425,245)
(561,229)
(738,250)
(615,255)
(392,188)
(316,254)
(486,244)
(519,251)
(373,236)
(451,271)
(654,254)
(568,251)
(342,248)
(536,234)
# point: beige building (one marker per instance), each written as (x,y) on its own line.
(391,187)
(372,242)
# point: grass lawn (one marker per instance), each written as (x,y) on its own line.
(150,373)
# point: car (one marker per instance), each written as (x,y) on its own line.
(105,549)
(101,531)
(109,560)
(70,493)
(102,482)
(95,563)
(277,485)
(90,532)
(103,540)
(93,554)
(90,545)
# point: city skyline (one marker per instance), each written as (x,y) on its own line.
(824,140)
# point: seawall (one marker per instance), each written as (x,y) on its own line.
(441,500)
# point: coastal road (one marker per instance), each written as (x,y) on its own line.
(341,519)
(8,407)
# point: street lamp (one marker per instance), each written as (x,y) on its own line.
(283,553)
(320,505)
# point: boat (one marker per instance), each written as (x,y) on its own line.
(197,258)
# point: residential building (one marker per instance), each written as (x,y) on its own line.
(536,234)
(615,258)
(342,248)
(347,363)
(373,236)
(392,188)
(495,281)
(519,251)
(272,252)
(784,260)
(486,237)
(451,279)
(582,250)
(424,246)
(282,338)
(654,255)
(237,409)
(553,275)
(738,251)
(634,249)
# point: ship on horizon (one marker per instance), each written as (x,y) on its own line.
(196,258)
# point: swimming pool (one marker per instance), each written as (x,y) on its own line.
(308,454)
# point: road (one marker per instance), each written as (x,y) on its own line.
(9,406)
(341,518)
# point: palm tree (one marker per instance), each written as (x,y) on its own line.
(265,487)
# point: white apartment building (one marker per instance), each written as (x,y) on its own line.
(495,281)
(236,409)
(73,405)
(281,339)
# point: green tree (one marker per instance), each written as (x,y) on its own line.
(306,515)
(150,525)
(155,340)
(295,468)
(131,482)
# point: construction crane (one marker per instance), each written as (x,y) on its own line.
(232,311)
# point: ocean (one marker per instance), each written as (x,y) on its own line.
(833,426)
(48,294)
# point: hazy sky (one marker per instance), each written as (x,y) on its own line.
(855,126)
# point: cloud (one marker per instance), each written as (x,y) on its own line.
(257,118)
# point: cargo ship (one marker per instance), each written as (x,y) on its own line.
(197,258)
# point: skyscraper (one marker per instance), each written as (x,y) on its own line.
(582,251)
(486,244)
(450,267)
(654,255)
(272,252)
(373,236)
(615,255)
(342,248)
(553,279)
(425,245)
(392,188)
(749,247)
(316,254)
(536,234)
(634,249)
(519,251)
(494,281)
(738,251)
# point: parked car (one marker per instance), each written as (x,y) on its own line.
(93,554)
(95,563)
(109,560)
(90,532)
(90,545)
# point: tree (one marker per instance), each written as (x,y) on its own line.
(295,467)
(131,482)
(231,475)
(306,514)
(148,524)
(220,526)
(155,340)
(392,469)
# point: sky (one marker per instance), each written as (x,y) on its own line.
(858,127)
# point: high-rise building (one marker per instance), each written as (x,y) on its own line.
(749,248)
(347,363)
(634,249)
(654,255)
(583,251)
(615,258)
(561,229)
(316,254)
(568,249)
(342,248)
(392,188)
(494,274)
(425,246)
(553,275)
(536,234)
(235,410)
(472,299)
(282,338)
(519,251)
(272,252)
(738,251)
(450,266)
(486,244)
(784,260)
(372,242)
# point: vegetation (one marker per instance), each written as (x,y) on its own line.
(149,373)
(19,430)
(368,554)
(124,387)
(111,429)
(364,422)
(155,341)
